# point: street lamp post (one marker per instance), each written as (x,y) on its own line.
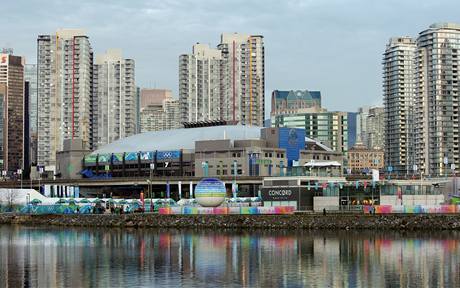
(152,167)
(235,170)
(40,171)
(452,167)
(28,201)
(446,162)
(20,175)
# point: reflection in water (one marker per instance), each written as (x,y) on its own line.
(49,257)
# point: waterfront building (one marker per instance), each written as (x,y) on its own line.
(288,102)
(162,116)
(398,97)
(215,151)
(362,159)
(30,76)
(227,83)
(64,76)
(330,128)
(12,120)
(437,133)
(114,98)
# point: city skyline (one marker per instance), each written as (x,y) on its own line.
(160,26)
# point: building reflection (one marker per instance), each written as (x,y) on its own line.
(42,257)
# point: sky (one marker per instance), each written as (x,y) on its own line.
(333,46)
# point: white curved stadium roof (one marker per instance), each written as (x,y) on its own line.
(179,138)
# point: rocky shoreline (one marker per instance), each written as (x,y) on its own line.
(287,222)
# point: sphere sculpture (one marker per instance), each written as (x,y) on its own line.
(210,192)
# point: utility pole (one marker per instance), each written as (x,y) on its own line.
(20,175)
(152,167)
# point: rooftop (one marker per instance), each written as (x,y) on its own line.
(178,139)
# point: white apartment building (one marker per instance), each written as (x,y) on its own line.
(227,83)
(64,69)
(398,97)
(437,99)
(114,98)
(200,84)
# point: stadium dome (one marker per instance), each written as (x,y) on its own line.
(179,138)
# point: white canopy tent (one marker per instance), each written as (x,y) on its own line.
(314,164)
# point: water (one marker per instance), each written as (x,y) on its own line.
(67,257)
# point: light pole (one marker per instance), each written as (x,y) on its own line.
(235,170)
(152,167)
(20,175)
(28,200)
(452,167)
(446,162)
(40,171)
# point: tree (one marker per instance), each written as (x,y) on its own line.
(9,200)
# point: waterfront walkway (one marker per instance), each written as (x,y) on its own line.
(425,222)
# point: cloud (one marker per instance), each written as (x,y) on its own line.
(332,46)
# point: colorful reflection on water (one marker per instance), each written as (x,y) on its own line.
(53,257)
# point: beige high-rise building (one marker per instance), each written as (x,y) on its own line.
(114,97)
(12,112)
(150,96)
(64,69)
(244,78)
(164,116)
(227,83)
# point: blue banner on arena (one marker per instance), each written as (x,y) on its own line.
(146,155)
(166,155)
(104,158)
(131,156)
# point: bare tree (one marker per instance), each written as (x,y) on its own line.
(10,197)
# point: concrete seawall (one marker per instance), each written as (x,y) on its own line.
(290,222)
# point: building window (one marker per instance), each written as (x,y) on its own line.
(217,172)
(239,172)
(224,172)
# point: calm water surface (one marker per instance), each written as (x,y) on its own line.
(54,257)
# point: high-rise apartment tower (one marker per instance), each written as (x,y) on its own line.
(398,97)
(227,83)
(114,95)
(12,112)
(64,69)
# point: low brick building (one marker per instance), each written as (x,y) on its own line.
(362,159)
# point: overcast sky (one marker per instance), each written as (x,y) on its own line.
(332,46)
